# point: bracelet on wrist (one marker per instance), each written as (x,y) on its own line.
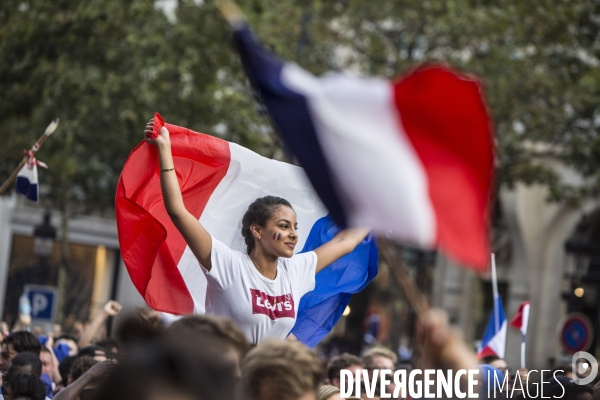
(167,169)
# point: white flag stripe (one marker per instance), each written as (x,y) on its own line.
(249,177)
(342,109)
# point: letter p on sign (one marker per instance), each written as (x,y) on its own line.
(40,303)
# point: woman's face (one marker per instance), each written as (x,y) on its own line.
(279,236)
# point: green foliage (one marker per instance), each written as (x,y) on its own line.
(105,66)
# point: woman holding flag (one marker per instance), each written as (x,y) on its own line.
(260,290)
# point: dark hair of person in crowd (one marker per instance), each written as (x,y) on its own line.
(338,363)
(110,345)
(27,363)
(94,351)
(64,368)
(79,366)
(219,328)
(488,359)
(562,369)
(143,325)
(24,386)
(259,213)
(185,368)
(23,341)
(280,370)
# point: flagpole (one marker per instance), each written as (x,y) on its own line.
(495,289)
(414,295)
(522,350)
(524,324)
(49,131)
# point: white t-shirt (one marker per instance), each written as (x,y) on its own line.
(260,306)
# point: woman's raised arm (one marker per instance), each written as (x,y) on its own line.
(193,232)
(341,244)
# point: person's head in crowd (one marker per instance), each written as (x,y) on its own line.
(338,363)
(224,332)
(498,363)
(15,343)
(328,392)
(491,378)
(186,369)
(281,370)
(79,366)
(23,386)
(109,345)
(25,363)
(64,368)
(47,361)
(379,358)
(37,331)
(142,326)
(94,351)
(69,341)
(563,369)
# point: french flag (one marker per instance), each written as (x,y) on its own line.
(494,337)
(219,180)
(27,180)
(411,158)
(521,318)
(520,322)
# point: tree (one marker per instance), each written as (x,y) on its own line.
(105,66)
(538,62)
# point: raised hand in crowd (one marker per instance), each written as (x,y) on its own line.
(89,378)
(110,309)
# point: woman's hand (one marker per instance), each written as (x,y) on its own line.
(161,140)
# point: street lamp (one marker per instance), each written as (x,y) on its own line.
(580,245)
(44,236)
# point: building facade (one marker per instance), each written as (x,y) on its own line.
(533,266)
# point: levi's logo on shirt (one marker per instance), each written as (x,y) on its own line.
(272,306)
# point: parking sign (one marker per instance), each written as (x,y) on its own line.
(44,301)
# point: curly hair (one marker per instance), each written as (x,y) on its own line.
(259,213)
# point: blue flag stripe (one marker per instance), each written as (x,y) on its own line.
(320,309)
(290,114)
(26,188)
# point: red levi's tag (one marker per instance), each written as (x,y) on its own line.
(158,123)
(272,306)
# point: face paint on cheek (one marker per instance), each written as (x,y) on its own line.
(276,236)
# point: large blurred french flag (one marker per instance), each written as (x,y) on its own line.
(219,180)
(411,158)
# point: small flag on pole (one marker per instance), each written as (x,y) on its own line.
(521,318)
(520,321)
(27,178)
(494,338)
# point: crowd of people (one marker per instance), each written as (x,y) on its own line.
(242,348)
(209,357)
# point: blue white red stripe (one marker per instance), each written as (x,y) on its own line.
(219,180)
(411,158)
(521,318)
(27,181)
(494,337)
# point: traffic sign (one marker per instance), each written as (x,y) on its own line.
(44,302)
(575,333)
